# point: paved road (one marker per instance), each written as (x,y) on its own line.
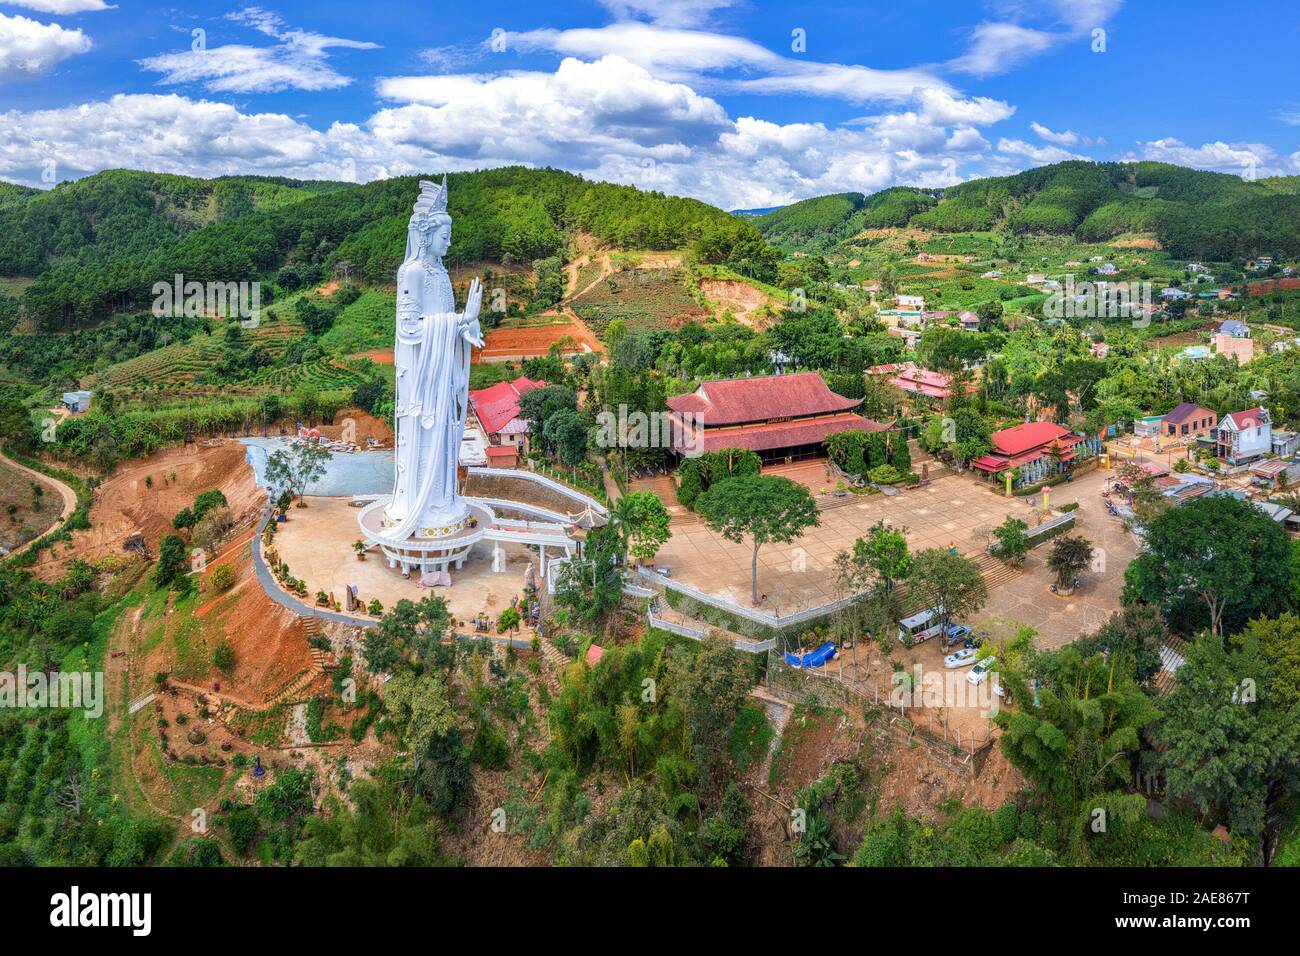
(69,499)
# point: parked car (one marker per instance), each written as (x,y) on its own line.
(956,634)
(962,658)
(980,672)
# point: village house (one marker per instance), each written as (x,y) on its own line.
(1243,350)
(1238,330)
(1036,450)
(914,303)
(76,401)
(921,382)
(782,417)
(1243,437)
(497,410)
(1188,421)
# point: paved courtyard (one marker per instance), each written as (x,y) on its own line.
(1028,599)
(953,510)
(316,543)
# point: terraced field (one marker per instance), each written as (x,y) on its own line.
(645,299)
(178,364)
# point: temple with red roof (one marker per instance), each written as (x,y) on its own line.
(497,411)
(778,416)
(1037,449)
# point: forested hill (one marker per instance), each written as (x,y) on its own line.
(97,246)
(1194,214)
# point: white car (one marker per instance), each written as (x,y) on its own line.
(962,658)
(980,672)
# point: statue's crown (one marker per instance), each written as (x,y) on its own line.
(433,198)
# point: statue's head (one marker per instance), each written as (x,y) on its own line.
(430,226)
(436,234)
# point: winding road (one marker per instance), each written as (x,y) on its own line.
(69,499)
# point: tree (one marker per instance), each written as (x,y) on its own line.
(1070,554)
(297,469)
(711,685)
(1078,744)
(643,521)
(1013,543)
(949,581)
(1232,742)
(765,508)
(171,561)
(16,431)
(1213,560)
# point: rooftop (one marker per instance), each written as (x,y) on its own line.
(497,405)
(739,401)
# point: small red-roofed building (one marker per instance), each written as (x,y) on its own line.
(497,410)
(1035,450)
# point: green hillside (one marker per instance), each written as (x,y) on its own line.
(101,243)
(1194,214)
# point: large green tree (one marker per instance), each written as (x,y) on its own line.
(765,508)
(1213,561)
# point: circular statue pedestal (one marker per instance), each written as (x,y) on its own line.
(425,552)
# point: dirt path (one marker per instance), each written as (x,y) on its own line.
(69,499)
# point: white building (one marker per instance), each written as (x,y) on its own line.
(1244,436)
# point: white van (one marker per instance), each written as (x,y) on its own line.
(921,626)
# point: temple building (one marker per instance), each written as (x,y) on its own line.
(781,417)
(1037,449)
(497,411)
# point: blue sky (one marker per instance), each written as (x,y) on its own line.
(739,103)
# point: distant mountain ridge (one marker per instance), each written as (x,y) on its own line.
(1193,213)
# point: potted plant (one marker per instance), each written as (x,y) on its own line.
(359,547)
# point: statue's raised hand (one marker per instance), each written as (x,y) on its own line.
(469,327)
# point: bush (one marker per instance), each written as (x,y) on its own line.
(221,578)
(223,656)
(885,475)
(1006,820)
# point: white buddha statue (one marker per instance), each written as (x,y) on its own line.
(431,356)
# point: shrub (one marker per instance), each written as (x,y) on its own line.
(885,475)
(1006,820)
(221,578)
(223,656)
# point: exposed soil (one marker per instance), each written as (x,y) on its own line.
(365,426)
(143,496)
(741,298)
(529,341)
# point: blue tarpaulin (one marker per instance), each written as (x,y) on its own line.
(813,658)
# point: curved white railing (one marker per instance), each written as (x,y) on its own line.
(544,481)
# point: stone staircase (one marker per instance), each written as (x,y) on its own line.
(994,572)
(557,661)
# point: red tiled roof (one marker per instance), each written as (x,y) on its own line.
(1250,418)
(594,654)
(502,451)
(738,401)
(496,405)
(808,431)
(1022,438)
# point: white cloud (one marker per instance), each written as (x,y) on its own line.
(1066,138)
(1241,159)
(674,13)
(63,7)
(699,56)
(998,46)
(29,48)
(1038,155)
(298,61)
